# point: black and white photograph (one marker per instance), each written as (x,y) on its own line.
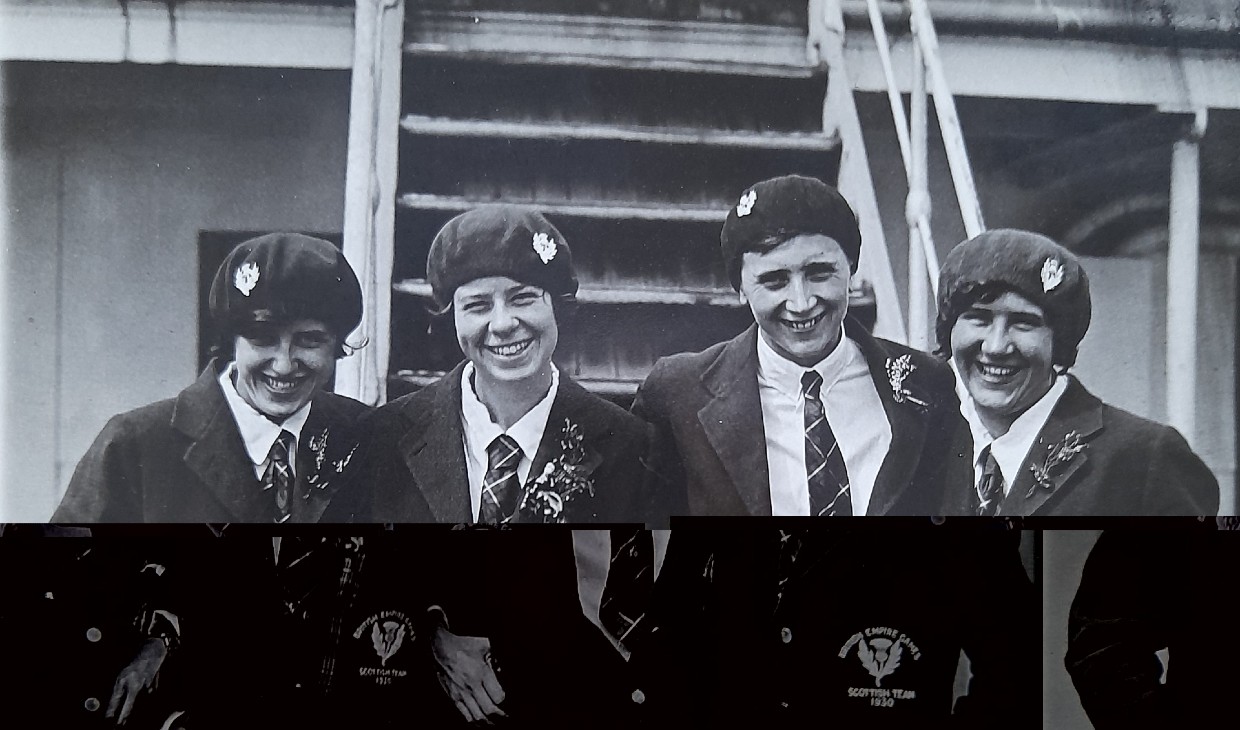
(311,309)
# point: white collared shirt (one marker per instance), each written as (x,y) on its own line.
(257,431)
(1012,448)
(480,431)
(854,412)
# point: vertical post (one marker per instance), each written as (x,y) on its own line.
(917,207)
(1182,267)
(949,121)
(370,190)
(839,116)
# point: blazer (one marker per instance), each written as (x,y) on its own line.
(1130,466)
(711,446)
(183,460)
(415,466)
(1146,590)
(862,628)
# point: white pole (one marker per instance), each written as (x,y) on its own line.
(917,207)
(1182,266)
(370,190)
(949,122)
(839,116)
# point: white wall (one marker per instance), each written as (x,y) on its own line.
(112,172)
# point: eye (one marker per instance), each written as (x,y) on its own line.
(261,340)
(976,318)
(312,340)
(821,272)
(476,306)
(773,282)
(525,298)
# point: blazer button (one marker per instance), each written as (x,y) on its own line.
(93,634)
(785,635)
(639,696)
(91,704)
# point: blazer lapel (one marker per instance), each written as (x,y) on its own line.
(907,418)
(571,404)
(732,420)
(1076,412)
(327,432)
(434,450)
(216,455)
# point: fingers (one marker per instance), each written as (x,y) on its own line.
(494,692)
(127,707)
(471,711)
(119,690)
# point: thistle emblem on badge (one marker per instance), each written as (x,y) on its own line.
(880,657)
(745,206)
(387,638)
(544,247)
(1052,274)
(246,277)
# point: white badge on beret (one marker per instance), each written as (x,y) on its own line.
(544,247)
(1052,274)
(745,206)
(246,277)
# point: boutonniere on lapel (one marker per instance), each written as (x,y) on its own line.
(898,370)
(564,479)
(324,468)
(1057,456)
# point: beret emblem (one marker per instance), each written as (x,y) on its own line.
(1052,274)
(246,277)
(544,247)
(745,206)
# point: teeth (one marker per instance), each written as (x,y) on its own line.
(997,371)
(509,350)
(281,386)
(803,325)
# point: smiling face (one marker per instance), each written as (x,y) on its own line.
(507,329)
(798,293)
(1003,349)
(280,366)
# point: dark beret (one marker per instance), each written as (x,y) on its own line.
(1029,264)
(783,208)
(500,240)
(284,277)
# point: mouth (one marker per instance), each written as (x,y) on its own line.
(996,373)
(282,386)
(511,349)
(802,325)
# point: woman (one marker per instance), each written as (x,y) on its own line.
(505,437)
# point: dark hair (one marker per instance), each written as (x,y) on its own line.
(224,346)
(1063,347)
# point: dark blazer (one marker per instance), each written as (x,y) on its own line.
(1130,466)
(415,464)
(747,640)
(72,616)
(1146,590)
(183,460)
(711,446)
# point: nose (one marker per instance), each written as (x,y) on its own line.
(996,340)
(282,357)
(503,321)
(799,300)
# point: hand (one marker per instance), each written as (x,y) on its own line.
(463,667)
(139,677)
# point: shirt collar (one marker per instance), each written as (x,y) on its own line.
(1011,448)
(785,376)
(480,430)
(257,431)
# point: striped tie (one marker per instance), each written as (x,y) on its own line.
(824,464)
(630,581)
(500,488)
(989,487)
(279,476)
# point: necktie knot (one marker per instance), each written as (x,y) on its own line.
(501,450)
(811,385)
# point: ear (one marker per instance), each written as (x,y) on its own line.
(740,294)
